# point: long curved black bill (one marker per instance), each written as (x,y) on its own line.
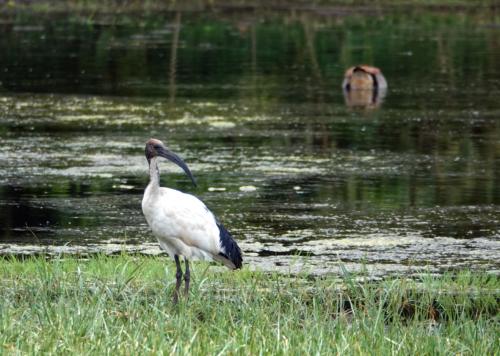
(164,152)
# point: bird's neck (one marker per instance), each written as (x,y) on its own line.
(154,173)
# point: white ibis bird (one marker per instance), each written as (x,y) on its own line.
(182,223)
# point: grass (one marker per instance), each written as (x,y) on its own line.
(122,305)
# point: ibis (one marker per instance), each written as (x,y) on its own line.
(181,222)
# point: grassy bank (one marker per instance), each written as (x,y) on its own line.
(123,305)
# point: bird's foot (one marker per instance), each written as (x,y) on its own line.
(186,288)
(176,297)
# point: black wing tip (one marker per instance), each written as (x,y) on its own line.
(237,262)
(231,248)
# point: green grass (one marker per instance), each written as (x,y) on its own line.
(122,305)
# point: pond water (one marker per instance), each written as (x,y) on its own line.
(253,102)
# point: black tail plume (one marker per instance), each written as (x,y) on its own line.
(230,248)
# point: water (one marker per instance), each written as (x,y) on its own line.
(253,103)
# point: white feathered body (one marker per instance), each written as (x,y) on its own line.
(184,226)
(181,222)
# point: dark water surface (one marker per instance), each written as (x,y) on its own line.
(253,103)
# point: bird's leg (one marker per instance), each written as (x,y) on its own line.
(178,276)
(187,277)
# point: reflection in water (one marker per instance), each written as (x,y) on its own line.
(257,103)
(173,57)
(364,98)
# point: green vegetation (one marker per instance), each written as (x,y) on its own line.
(123,305)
